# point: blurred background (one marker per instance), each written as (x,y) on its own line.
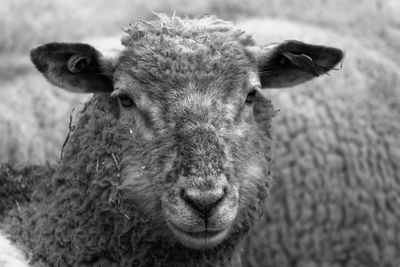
(34,116)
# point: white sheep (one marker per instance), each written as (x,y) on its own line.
(11,255)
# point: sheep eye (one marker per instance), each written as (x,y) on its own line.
(126,101)
(250,97)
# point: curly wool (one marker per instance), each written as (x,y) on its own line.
(177,28)
(81,222)
(183,48)
(20,184)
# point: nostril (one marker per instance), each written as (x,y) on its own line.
(203,202)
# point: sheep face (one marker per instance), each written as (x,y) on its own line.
(209,146)
(193,124)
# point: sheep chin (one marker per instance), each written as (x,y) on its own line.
(199,240)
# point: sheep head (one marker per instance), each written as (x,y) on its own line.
(193,124)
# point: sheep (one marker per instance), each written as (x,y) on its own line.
(169,163)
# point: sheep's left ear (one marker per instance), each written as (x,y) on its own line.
(75,67)
(293,62)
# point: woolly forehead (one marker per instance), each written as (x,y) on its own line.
(177,65)
(169,53)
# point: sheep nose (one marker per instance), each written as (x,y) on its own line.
(204,202)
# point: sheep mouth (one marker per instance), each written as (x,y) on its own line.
(199,240)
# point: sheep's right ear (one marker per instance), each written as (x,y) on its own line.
(75,67)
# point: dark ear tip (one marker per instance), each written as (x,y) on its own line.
(36,55)
(37,50)
(337,56)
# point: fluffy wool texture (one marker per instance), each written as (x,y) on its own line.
(79,220)
(205,49)
(20,184)
(335,201)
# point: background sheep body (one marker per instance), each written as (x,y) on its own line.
(336,154)
(336,194)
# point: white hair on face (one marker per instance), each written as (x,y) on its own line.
(10,254)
